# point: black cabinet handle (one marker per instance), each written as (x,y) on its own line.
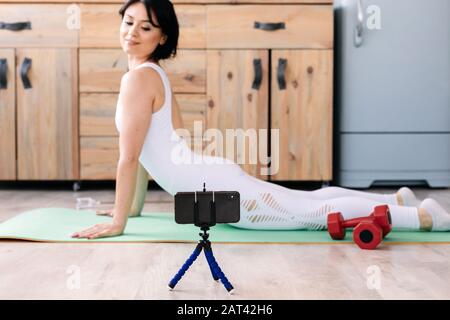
(281,73)
(269,26)
(15,26)
(258,73)
(3,73)
(26,65)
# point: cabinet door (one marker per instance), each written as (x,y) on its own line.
(302,111)
(237,94)
(7,115)
(47,124)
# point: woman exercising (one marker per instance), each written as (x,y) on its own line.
(147,117)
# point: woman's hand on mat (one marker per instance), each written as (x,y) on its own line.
(100,230)
(107,212)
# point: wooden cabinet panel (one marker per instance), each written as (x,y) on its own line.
(47,117)
(305,26)
(192,22)
(233,103)
(7,116)
(187,71)
(52,25)
(99,152)
(98,158)
(102,69)
(100,25)
(303,114)
(97,112)
(193,112)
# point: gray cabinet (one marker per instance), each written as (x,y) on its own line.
(392,92)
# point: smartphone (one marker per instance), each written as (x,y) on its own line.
(227,207)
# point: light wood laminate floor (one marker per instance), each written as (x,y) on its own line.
(32,270)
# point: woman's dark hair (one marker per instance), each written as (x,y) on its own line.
(168,22)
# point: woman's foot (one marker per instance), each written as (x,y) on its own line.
(406,197)
(433,217)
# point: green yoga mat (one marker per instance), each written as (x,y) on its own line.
(57,224)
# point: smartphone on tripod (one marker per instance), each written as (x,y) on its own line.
(226,207)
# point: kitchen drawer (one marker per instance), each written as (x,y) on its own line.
(100,25)
(49,25)
(102,69)
(243,26)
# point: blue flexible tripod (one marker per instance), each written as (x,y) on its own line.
(204,245)
(216,272)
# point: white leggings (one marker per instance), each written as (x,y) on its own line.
(265,205)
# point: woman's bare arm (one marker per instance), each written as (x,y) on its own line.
(136,97)
(140,192)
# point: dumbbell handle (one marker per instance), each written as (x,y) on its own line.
(354,222)
(351,223)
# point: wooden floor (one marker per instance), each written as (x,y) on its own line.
(31,270)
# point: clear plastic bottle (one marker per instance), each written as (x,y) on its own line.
(86,203)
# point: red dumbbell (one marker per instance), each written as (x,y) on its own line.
(368,231)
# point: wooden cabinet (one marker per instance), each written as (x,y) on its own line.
(238,99)
(252,65)
(7,114)
(47,115)
(301,109)
(39,115)
(290,47)
(39,101)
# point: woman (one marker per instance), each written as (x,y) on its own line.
(146,116)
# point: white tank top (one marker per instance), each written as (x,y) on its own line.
(168,158)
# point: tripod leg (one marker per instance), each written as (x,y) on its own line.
(214,275)
(185,266)
(216,269)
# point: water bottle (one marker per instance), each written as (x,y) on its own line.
(86,203)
